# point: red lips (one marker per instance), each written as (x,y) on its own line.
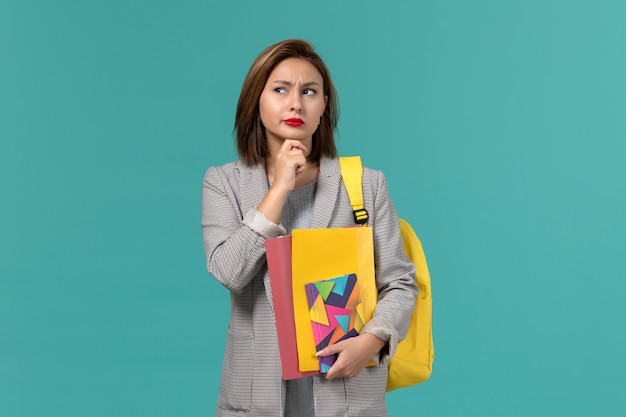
(294,122)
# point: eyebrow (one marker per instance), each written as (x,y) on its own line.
(289,83)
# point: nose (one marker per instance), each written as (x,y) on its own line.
(296,102)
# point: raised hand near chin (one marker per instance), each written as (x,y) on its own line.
(290,162)
(283,168)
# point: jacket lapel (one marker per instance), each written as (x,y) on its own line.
(328,186)
(253,184)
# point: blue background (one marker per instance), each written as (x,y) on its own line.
(500,126)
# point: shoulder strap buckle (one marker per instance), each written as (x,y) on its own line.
(360,216)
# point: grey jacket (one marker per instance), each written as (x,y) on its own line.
(251,381)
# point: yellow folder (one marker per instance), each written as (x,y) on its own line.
(319,254)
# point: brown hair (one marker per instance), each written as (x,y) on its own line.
(249,131)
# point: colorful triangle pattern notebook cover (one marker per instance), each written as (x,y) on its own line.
(335,311)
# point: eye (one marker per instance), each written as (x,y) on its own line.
(309,92)
(280,90)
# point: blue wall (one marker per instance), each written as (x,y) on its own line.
(499,124)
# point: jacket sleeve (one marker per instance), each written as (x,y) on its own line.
(395,273)
(234,242)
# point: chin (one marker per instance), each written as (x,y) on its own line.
(301,138)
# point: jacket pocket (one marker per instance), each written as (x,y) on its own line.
(366,392)
(236,384)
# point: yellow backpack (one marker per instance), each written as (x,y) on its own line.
(412,362)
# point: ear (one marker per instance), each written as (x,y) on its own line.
(325,104)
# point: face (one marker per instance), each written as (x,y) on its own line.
(292,102)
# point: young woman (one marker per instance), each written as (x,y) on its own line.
(288,177)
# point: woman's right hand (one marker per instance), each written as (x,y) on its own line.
(283,170)
(288,164)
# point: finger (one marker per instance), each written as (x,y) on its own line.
(299,169)
(330,375)
(337,370)
(329,350)
(291,144)
(300,146)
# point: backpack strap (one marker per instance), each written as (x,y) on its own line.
(352,174)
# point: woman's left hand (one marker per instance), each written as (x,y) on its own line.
(353,354)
